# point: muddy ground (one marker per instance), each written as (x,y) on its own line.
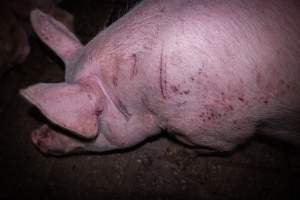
(158,169)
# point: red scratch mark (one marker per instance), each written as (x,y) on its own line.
(241,99)
(115,81)
(122,108)
(163,77)
(115,78)
(186,92)
(174,88)
(134,70)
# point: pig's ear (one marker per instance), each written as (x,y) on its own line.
(62,41)
(71,106)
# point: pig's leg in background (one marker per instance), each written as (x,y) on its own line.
(52,142)
(288,136)
(286,129)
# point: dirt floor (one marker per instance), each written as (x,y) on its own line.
(158,169)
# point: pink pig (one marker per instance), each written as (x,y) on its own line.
(210,72)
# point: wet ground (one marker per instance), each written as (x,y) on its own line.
(158,169)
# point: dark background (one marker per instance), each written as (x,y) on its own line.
(158,169)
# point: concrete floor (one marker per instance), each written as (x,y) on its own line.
(158,169)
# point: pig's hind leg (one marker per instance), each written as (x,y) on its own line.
(286,129)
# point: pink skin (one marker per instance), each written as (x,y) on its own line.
(209,72)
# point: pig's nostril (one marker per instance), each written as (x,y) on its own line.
(34,137)
(42,146)
(39,141)
(44,135)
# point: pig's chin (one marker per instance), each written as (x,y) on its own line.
(55,141)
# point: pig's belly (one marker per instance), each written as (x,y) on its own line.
(221,108)
(212,123)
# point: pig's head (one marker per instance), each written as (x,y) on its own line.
(77,103)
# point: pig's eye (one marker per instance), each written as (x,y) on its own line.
(98,112)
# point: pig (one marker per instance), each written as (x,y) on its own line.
(212,73)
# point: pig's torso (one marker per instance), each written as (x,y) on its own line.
(210,70)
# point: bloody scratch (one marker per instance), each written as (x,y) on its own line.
(122,108)
(134,70)
(163,77)
(115,77)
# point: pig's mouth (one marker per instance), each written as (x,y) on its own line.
(53,140)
